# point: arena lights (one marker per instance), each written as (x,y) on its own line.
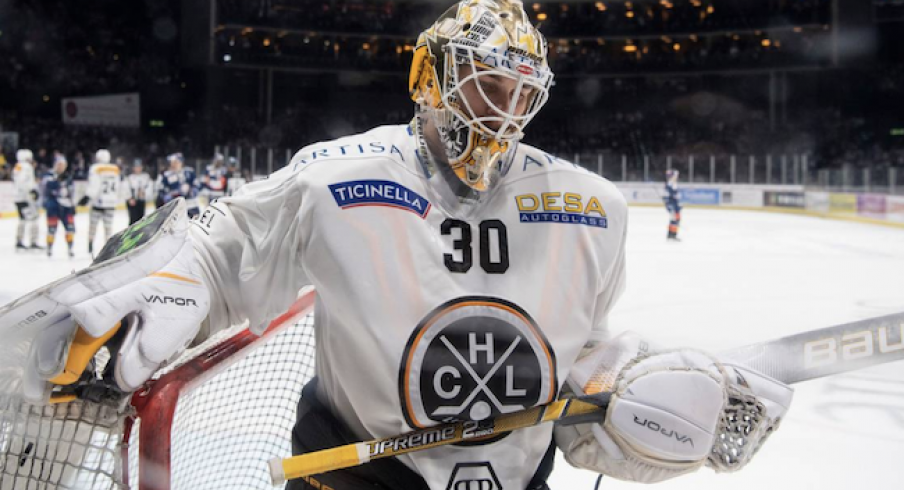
(630,48)
(629,14)
(601,6)
(766,43)
(266,42)
(536,7)
(676,47)
(541,16)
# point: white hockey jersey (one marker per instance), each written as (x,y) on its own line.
(138,186)
(103,185)
(24,181)
(423,316)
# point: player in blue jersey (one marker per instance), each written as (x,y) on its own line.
(179,181)
(672,203)
(214,178)
(58,191)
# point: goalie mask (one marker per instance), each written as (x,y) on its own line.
(480,74)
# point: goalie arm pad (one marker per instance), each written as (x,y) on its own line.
(250,247)
(670,414)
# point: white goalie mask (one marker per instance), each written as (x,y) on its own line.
(480,74)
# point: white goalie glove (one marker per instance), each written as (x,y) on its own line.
(144,322)
(671,412)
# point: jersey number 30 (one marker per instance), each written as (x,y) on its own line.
(493,259)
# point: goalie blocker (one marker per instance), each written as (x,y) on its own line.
(671,412)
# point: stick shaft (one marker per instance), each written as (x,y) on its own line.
(826,351)
(791,359)
(439,435)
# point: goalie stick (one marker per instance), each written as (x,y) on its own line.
(791,359)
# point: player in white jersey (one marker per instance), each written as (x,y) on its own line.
(103,195)
(235,179)
(460,275)
(26,200)
(138,187)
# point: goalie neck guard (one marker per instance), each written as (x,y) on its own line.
(479,74)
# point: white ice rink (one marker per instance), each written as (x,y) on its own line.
(736,278)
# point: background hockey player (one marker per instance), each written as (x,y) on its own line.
(26,200)
(214,180)
(460,275)
(179,181)
(102,195)
(138,186)
(235,177)
(672,203)
(59,191)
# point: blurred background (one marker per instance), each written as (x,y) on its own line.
(806,92)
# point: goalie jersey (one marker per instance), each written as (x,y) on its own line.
(425,314)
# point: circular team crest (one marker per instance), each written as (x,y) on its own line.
(475,358)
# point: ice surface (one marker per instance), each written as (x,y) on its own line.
(737,277)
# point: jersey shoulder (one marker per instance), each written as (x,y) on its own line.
(379,146)
(104,169)
(537,169)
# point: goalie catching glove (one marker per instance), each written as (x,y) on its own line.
(671,412)
(144,298)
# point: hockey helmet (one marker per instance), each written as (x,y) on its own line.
(24,155)
(671,175)
(102,156)
(465,52)
(60,164)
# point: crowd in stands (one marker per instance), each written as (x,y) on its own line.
(674,109)
(574,57)
(675,16)
(60,49)
(556,19)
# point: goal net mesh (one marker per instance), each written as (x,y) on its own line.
(228,424)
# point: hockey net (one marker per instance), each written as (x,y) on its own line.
(211,420)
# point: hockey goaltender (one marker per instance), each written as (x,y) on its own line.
(460,275)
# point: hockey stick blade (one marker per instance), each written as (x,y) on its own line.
(791,359)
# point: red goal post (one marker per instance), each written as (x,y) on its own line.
(211,420)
